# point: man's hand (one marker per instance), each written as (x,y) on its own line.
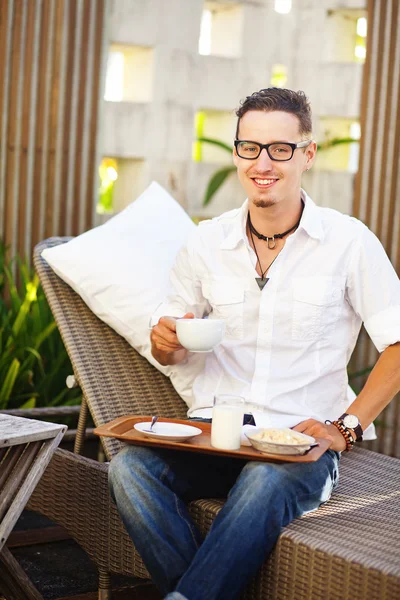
(165,346)
(318,429)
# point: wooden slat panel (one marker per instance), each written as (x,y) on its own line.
(377,186)
(52,61)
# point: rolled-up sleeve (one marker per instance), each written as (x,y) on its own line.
(373,290)
(184,290)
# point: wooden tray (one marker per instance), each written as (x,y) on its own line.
(123,430)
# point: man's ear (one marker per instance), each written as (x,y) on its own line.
(235,157)
(311,152)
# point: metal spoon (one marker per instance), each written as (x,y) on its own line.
(153,422)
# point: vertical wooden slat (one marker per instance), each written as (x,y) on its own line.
(53,116)
(385,156)
(81,93)
(87,92)
(358,188)
(62,20)
(6,18)
(70,46)
(30,188)
(14,126)
(375,124)
(26,117)
(387,190)
(46,209)
(394,248)
(97,84)
(40,132)
(74,115)
(367,100)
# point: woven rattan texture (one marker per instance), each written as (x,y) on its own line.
(348,549)
(114,378)
(73,492)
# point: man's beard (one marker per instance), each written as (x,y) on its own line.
(264,203)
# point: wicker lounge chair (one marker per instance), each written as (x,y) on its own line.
(349,548)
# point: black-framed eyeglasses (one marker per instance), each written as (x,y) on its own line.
(279,151)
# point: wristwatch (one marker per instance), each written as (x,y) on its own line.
(352,422)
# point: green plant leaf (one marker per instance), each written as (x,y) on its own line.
(45,334)
(216,181)
(335,142)
(74,401)
(8,383)
(218,143)
(31,403)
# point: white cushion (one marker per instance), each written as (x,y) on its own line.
(121,269)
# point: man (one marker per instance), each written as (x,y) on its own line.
(293,283)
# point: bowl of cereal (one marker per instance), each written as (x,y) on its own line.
(280,441)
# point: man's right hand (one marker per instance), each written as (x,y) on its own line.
(165,346)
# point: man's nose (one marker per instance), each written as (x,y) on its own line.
(264,162)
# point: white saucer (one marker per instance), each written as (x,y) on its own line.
(174,432)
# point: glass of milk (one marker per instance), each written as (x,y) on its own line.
(227,421)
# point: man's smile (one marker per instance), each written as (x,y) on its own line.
(263,183)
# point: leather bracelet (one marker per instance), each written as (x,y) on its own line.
(346,433)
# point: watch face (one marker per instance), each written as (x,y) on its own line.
(350,421)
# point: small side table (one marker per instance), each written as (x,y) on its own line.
(26,447)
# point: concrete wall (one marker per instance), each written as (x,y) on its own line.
(311,41)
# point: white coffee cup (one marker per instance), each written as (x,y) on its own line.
(200,335)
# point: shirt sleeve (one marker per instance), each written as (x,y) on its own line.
(184,290)
(373,290)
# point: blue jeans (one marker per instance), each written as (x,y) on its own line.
(152,487)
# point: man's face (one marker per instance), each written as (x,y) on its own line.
(265,181)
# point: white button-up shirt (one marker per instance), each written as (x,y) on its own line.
(286,348)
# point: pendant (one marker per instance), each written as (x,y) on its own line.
(261,281)
(271,245)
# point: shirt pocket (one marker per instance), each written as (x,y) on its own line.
(227,302)
(317,305)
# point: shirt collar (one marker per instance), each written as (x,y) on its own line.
(310,222)
(238,231)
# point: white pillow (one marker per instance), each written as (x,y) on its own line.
(121,269)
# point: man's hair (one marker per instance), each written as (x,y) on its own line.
(279,99)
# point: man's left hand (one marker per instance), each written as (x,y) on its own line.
(317,429)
